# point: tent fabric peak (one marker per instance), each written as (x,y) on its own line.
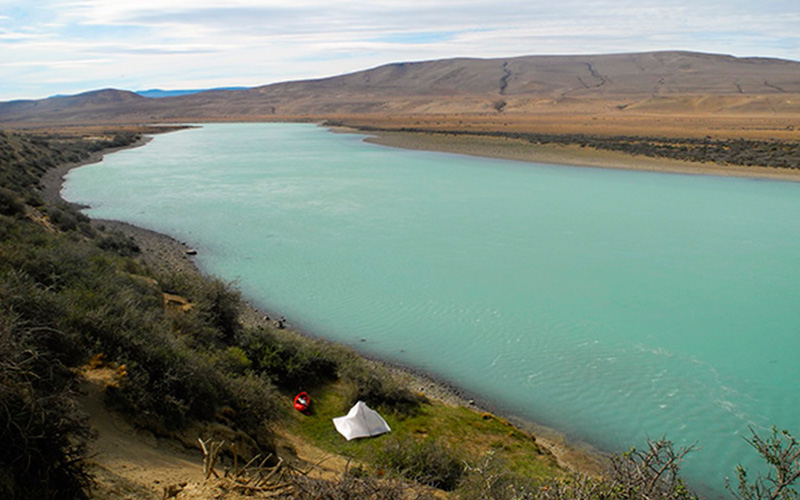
(361,421)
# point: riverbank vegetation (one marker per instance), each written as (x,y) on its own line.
(733,152)
(74,295)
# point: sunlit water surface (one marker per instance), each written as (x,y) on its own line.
(610,305)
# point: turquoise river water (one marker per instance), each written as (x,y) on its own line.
(609,305)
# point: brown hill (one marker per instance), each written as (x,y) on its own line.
(651,73)
(81,105)
(652,82)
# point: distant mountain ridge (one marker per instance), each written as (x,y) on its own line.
(160,94)
(649,81)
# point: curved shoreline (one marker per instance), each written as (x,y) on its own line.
(166,253)
(566,155)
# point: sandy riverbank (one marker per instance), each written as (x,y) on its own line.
(521,150)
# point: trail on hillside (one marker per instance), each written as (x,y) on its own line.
(127,463)
(131,464)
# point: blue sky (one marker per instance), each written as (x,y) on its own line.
(68,46)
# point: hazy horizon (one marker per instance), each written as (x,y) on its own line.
(73,46)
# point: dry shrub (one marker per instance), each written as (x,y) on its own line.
(43,434)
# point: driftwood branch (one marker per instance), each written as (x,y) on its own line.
(651,473)
(781,451)
(249,479)
(284,481)
(211,451)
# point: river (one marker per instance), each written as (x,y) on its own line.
(609,305)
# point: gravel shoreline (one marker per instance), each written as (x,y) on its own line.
(166,254)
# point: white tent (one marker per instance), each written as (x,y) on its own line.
(361,421)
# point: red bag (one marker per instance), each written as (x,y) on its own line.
(302,402)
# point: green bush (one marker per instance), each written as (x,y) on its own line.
(353,487)
(43,435)
(289,363)
(221,305)
(119,244)
(217,303)
(10,203)
(69,219)
(168,384)
(30,301)
(427,462)
(491,478)
(232,360)
(195,331)
(377,387)
(54,261)
(255,403)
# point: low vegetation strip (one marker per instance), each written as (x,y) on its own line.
(734,152)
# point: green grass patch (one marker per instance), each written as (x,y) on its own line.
(465,434)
